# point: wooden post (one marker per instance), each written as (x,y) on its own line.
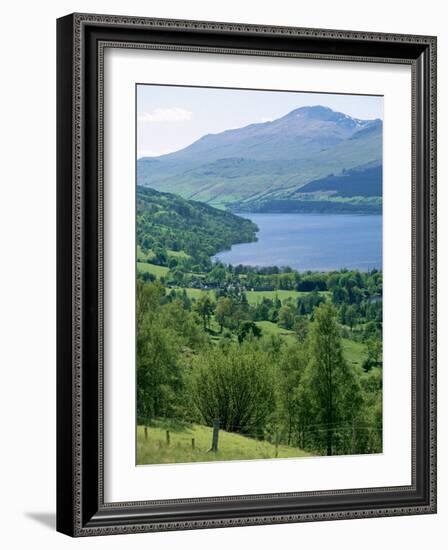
(276,444)
(146,432)
(192,443)
(215,436)
(167,437)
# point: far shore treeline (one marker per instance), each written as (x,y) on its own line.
(289,363)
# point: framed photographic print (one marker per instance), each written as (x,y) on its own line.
(246,274)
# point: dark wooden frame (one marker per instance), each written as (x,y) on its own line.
(81,510)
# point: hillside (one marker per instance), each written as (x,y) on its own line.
(366,182)
(262,162)
(231,446)
(168,225)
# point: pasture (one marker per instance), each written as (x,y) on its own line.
(231,446)
(157,270)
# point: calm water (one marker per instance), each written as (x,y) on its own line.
(320,242)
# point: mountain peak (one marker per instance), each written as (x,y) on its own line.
(319,112)
(314,110)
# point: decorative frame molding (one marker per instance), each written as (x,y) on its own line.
(81,42)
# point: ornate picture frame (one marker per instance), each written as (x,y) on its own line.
(81,506)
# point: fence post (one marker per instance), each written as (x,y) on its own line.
(215,436)
(167,437)
(192,443)
(146,432)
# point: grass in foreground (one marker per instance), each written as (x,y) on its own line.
(155,449)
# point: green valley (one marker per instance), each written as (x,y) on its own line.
(247,345)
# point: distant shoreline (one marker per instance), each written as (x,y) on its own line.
(245,213)
(308,207)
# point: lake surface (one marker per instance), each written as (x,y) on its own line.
(320,242)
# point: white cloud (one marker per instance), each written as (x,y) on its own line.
(173,114)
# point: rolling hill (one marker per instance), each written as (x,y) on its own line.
(310,155)
(170,225)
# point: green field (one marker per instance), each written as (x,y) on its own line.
(272,328)
(195,293)
(255,296)
(354,352)
(231,446)
(142,256)
(177,254)
(157,270)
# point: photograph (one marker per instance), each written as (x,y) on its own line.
(259,274)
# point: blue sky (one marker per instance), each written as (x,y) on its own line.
(171,117)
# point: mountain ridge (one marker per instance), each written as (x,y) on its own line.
(267,159)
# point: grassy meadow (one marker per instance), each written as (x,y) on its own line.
(157,270)
(154,448)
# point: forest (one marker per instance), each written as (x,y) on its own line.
(284,363)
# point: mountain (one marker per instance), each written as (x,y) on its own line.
(273,160)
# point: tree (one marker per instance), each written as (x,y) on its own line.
(350,316)
(260,312)
(224,312)
(277,302)
(234,384)
(300,327)
(160,256)
(329,385)
(177,276)
(374,351)
(182,326)
(273,315)
(158,374)
(204,307)
(287,316)
(148,300)
(301,309)
(147,277)
(217,275)
(185,299)
(340,295)
(246,328)
(292,364)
